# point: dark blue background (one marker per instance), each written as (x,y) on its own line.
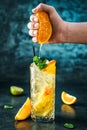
(16,45)
(16,55)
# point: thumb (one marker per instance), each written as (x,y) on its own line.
(42,7)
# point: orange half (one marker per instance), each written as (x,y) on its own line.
(45,28)
(50,68)
(24,111)
(67,98)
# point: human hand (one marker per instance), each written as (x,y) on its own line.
(56,22)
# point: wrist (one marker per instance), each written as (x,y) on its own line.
(64,32)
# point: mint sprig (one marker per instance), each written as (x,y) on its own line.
(41,63)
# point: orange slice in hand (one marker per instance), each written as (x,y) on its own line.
(67,98)
(45,28)
(24,111)
(50,68)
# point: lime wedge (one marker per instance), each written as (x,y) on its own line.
(14,90)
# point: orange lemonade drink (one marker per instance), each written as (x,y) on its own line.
(42,81)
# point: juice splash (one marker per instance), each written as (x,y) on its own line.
(40,50)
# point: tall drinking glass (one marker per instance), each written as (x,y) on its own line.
(42,91)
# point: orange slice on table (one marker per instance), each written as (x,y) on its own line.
(67,98)
(50,68)
(45,28)
(24,111)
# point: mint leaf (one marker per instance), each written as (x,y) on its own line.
(69,125)
(36,59)
(41,63)
(8,106)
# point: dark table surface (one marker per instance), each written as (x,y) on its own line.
(76,114)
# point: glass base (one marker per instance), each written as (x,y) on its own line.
(40,119)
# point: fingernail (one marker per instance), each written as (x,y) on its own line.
(34,10)
(36,25)
(34,39)
(35,32)
(36,19)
